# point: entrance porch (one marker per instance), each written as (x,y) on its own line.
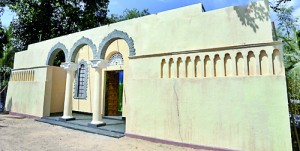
(115,125)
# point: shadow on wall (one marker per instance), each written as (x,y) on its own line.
(249,14)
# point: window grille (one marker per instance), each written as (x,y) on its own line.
(116,59)
(81,77)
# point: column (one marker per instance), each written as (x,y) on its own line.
(222,64)
(98,65)
(70,67)
(270,61)
(256,53)
(245,58)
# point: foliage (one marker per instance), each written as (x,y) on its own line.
(293,79)
(39,20)
(127,14)
(6,61)
(277,6)
(287,32)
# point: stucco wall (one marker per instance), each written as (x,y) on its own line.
(58,89)
(238,112)
(36,91)
(234,113)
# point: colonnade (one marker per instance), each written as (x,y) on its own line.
(71,67)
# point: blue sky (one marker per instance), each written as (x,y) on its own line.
(155,6)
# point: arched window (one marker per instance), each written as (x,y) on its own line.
(81,80)
(116,60)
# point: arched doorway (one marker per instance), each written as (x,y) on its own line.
(117,57)
(114,44)
(57,78)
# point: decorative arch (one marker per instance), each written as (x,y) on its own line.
(54,51)
(228,65)
(78,44)
(197,67)
(276,62)
(251,62)
(115,35)
(264,64)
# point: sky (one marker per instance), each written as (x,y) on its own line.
(156,6)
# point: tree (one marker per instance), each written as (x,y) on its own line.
(277,4)
(127,14)
(287,32)
(39,20)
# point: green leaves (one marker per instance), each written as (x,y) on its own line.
(127,14)
(39,20)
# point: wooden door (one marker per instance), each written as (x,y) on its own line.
(111,96)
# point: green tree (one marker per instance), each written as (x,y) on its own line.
(287,32)
(127,14)
(39,20)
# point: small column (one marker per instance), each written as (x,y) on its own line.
(70,67)
(245,54)
(202,66)
(270,60)
(233,64)
(257,63)
(98,65)
(222,65)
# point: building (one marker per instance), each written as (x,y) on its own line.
(210,79)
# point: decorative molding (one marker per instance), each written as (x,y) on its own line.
(276,43)
(116,34)
(116,60)
(78,44)
(69,66)
(85,77)
(98,63)
(54,50)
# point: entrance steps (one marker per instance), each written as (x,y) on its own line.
(114,128)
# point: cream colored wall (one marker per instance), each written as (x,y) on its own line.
(182,29)
(239,112)
(58,89)
(30,91)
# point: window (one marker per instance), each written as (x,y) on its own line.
(81,80)
(116,59)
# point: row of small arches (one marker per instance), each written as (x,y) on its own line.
(27,75)
(218,66)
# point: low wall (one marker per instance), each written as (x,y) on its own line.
(31,91)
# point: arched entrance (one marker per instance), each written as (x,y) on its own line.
(83,84)
(116,47)
(57,81)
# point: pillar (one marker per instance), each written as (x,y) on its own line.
(257,62)
(98,65)
(70,67)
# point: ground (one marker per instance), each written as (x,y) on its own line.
(18,134)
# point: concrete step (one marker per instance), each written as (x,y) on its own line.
(82,128)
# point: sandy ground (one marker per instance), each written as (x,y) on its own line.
(22,134)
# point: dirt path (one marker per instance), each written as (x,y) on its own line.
(21,134)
